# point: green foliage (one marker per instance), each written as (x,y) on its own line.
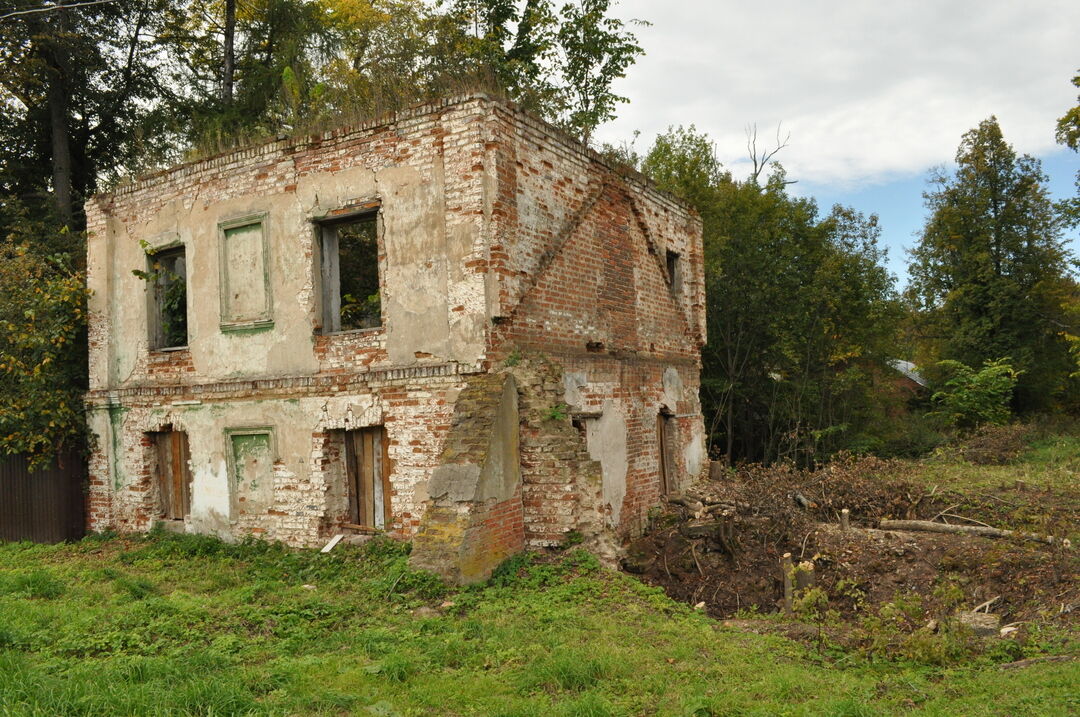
(361,311)
(1068,134)
(37,584)
(991,273)
(568,668)
(594,50)
(572,538)
(304,65)
(970,398)
(42,352)
(802,316)
(557,412)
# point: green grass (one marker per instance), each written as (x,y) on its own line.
(1049,460)
(179,625)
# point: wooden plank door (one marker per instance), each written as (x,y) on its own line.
(174,477)
(367,469)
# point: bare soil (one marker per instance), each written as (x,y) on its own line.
(721,543)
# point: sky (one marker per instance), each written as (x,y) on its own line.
(873,94)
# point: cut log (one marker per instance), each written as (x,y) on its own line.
(689,502)
(789,590)
(928,526)
(700,528)
(805,576)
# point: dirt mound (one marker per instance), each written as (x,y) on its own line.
(720,544)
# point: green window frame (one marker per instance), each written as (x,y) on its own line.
(239,309)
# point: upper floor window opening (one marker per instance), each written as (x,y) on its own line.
(351,297)
(167,279)
(674,271)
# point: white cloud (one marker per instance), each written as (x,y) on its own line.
(869,91)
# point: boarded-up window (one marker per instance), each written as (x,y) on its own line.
(245,273)
(367,477)
(172,475)
(251,466)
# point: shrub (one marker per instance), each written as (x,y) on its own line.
(971,398)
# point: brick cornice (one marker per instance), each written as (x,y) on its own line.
(293,385)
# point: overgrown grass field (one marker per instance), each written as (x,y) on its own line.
(188,625)
(169,625)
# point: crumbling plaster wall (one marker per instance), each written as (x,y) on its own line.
(434,284)
(497,234)
(307,499)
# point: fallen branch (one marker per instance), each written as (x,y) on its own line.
(957,505)
(981,530)
(1035,660)
(693,552)
(970,520)
(986,605)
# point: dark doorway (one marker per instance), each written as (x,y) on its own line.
(665,432)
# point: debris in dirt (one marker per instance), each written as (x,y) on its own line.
(1035,660)
(721,542)
(981,623)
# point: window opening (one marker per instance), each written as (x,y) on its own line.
(665,428)
(674,271)
(367,477)
(172,474)
(168,279)
(350,274)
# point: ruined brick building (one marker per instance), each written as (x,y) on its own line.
(455,324)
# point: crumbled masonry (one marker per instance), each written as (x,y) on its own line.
(529,365)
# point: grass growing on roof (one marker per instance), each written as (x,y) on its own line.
(172,624)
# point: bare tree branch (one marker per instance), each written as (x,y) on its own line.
(761,160)
(51,8)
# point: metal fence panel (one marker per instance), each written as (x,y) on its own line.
(44,506)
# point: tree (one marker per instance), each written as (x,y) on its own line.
(970,398)
(1068,134)
(42,349)
(991,270)
(594,51)
(801,313)
(75,88)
